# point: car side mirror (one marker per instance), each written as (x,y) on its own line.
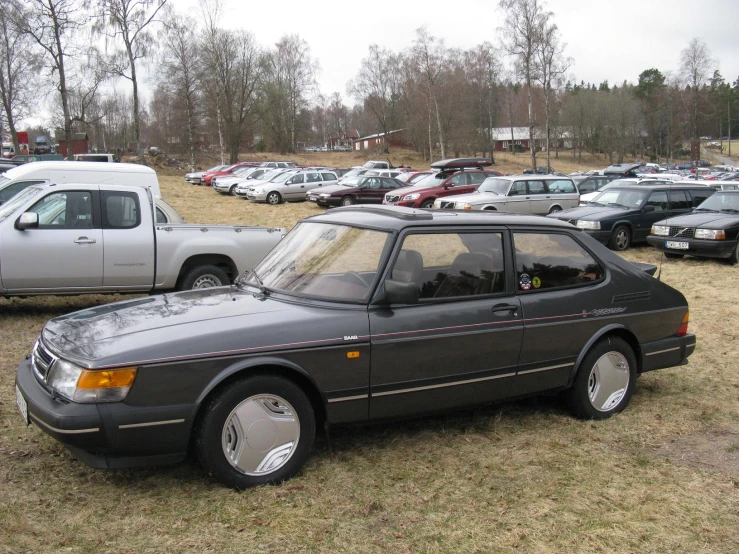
(27,220)
(648,209)
(400,292)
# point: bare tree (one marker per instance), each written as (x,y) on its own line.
(377,87)
(696,65)
(428,55)
(552,66)
(128,21)
(525,21)
(52,24)
(180,73)
(19,64)
(483,68)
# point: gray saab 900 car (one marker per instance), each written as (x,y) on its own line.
(522,194)
(359,314)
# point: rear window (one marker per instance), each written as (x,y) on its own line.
(120,210)
(561,186)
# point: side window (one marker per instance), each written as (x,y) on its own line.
(389,183)
(450,265)
(296,179)
(588,185)
(373,183)
(545,261)
(679,200)
(561,186)
(313,177)
(120,210)
(161,217)
(699,196)
(537,187)
(64,210)
(328,176)
(518,187)
(10,191)
(477,177)
(458,180)
(658,199)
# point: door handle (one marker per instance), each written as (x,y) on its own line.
(502,309)
(85,240)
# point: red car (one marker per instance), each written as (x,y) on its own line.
(207,178)
(451,177)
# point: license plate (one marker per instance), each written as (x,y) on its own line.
(312,198)
(22,405)
(677,245)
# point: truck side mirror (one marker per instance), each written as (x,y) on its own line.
(27,220)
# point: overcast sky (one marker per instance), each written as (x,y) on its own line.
(606,39)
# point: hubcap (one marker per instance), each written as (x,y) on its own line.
(273,198)
(347,202)
(608,381)
(554,210)
(206,281)
(260,434)
(622,239)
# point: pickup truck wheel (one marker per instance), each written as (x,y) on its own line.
(605,380)
(347,201)
(205,277)
(274,198)
(620,239)
(256,431)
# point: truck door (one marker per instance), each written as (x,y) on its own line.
(128,235)
(65,251)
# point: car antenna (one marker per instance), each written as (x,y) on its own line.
(659,273)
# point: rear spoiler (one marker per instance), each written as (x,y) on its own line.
(648,268)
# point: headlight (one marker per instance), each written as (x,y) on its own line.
(87,385)
(661,230)
(592,225)
(413,196)
(713,234)
(463,206)
(325,195)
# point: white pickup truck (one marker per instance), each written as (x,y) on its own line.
(78,239)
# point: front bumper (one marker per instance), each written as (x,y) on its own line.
(669,352)
(696,247)
(602,236)
(108,435)
(256,197)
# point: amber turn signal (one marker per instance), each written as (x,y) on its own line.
(106,379)
(352,355)
(683,329)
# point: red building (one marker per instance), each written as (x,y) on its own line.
(395,139)
(80,144)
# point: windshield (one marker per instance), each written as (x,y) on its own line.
(281,177)
(21,198)
(493,184)
(350,182)
(3,180)
(335,262)
(243,171)
(626,198)
(719,202)
(215,168)
(433,180)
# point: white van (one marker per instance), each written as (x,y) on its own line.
(98,173)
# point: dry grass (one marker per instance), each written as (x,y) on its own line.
(517,477)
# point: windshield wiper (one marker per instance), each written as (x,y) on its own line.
(730,211)
(260,284)
(619,205)
(705,210)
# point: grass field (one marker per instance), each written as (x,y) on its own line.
(520,477)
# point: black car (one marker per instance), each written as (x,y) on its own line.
(622,215)
(359,314)
(712,230)
(591,183)
(367,190)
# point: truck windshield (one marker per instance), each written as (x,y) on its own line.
(328,261)
(18,200)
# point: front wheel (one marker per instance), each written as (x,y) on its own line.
(204,277)
(232,190)
(428,203)
(734,258)
(256,431)
(620,239)
(605,380)
(347,201)
(274,198)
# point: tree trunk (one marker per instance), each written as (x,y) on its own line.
(441,133)
(532,141)
(431,146)
(64,93)
(220,129)
(191,133)
(546,116)
(136,122)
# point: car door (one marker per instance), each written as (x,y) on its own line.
(65,251)
(313,180)
(387,184)
(460,343)
(294,188)
(656,208)
(456,184)
(560,285)
(517,200)
(539,200)
(367,191)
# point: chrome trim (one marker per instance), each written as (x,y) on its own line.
(442,385)
(347,398)
(150,423)
(63,431)
(544,368)
(663,351)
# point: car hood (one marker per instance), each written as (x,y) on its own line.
(706,220)
(195,174)
(478,197)
(332,189)
(595,213)
(196,324)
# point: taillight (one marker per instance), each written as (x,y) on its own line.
(683,329)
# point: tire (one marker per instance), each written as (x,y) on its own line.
(734,258)
(620,239)
(555,209)
(204,277)
(348,201)
(232,190)
(274,198)
(274,409)
(605,380)
(428,203)
(671,256)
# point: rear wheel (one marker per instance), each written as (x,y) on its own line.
(256,431)
(555,209)
(620,239)
(274,198)
(204,277)
(605,380)
(347,201)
